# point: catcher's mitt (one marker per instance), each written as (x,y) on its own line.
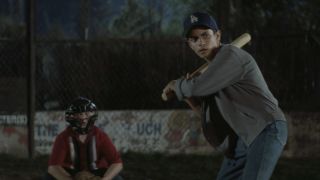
(85,175)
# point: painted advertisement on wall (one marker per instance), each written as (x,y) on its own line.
(14,134)
(176,131)
(139,131)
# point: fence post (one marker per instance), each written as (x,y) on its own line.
(31,76)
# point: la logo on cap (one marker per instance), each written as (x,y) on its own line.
(193,19)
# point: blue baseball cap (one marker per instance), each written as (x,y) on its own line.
(199,19)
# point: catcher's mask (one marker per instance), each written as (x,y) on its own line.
(81,110)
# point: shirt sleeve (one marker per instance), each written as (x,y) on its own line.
(59,152)
(224,70)
(109,150)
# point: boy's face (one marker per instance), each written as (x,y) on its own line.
(203,42)
(83,118)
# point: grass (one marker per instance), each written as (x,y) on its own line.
(159,166)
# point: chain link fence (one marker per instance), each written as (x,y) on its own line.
(13,63)
(116,73)
(289,64)
(131,73)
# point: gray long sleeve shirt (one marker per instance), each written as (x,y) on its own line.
(240,92)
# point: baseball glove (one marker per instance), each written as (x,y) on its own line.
(85,175)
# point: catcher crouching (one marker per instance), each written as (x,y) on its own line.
(83,151)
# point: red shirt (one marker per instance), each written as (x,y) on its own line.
(97,151)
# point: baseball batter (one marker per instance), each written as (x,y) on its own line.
(239,113)
(83,151)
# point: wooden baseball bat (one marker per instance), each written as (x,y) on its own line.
(239,42)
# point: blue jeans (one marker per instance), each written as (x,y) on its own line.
(257,161)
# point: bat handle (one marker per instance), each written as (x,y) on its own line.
(168,96)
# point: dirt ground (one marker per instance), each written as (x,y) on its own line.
(160,167)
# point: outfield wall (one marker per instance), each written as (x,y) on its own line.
(148,131)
